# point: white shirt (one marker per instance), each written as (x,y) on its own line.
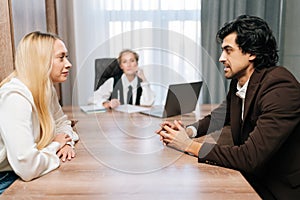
(104,92)
(242,94)
(20,129)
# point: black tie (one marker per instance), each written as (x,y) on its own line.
(129,95)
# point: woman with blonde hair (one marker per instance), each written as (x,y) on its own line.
(35,133)
(131,87)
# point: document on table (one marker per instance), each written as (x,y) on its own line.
(92,108)
(131,108)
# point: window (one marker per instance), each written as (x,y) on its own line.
(165,33)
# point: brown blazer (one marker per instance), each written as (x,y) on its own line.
(267,142)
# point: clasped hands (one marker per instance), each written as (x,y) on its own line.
(65,151)
(174,135)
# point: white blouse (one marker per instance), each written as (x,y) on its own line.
(104,92)
(20,130)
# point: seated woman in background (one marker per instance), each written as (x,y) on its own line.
(131,88)
(35,133)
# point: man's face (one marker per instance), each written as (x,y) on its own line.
(236,64)
(60,63)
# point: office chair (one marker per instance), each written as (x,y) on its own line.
(106,68)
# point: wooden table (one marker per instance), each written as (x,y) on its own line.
(120,157)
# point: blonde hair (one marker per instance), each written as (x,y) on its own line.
(33,65)
(136,56)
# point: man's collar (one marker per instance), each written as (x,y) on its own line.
(241,91)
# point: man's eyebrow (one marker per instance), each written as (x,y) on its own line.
(226,47)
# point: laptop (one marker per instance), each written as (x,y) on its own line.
(181,99)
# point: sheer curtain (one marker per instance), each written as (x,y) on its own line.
(165,33)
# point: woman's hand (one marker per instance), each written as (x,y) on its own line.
(66,152)
(62,139)
(111,104)
(141,75)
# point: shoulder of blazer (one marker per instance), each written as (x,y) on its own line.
(275,73)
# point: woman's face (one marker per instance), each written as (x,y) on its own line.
(60,64)
(128,63)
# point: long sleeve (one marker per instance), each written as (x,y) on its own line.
(62,124)
(212,122)
(103,93)
(19,133)
(148,96)
(270,127)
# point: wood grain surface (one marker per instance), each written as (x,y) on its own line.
(119,156)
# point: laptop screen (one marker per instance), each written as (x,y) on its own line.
(182,98)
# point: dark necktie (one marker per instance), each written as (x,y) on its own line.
(129,95)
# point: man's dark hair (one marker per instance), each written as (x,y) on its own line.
(253,36)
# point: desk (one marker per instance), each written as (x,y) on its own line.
(120,157)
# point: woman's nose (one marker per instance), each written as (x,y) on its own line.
(68,64)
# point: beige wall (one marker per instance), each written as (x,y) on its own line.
(6,43)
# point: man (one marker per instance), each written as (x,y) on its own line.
(262,113)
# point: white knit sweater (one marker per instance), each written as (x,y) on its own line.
(20,129)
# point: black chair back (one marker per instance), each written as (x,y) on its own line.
(106,68)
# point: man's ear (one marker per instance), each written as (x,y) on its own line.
(252,57)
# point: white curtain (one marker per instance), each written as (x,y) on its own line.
(165,33)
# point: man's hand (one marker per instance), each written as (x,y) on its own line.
(174,135)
